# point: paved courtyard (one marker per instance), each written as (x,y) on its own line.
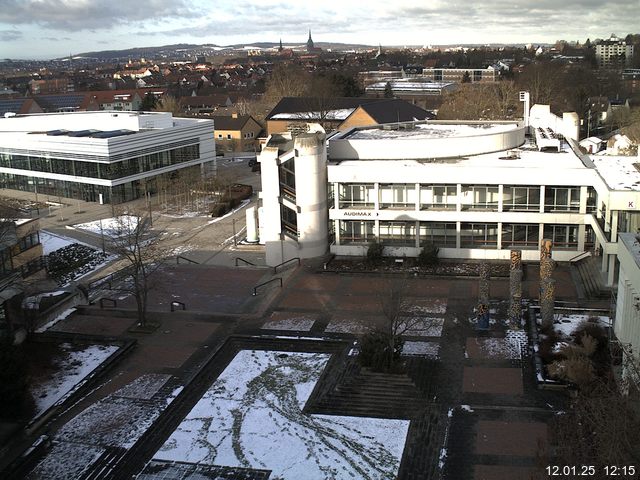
(471,397)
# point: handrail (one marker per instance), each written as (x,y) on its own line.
(583,254)
(255,289)
(185,258)
(245,261)
(275,269)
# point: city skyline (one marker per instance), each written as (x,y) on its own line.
(56,28)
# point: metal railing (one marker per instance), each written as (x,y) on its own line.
(580,256)
(247,262)
(179,257)
(275,269)
(255,289)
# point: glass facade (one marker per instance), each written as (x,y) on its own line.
(520,198)
(564,237)
(356,195)
(562,199)
(106,171)
(480,197)
(400,196)
(442,235)
(478,235)
(438,197)
(402,234)
(515,235)
(356,231)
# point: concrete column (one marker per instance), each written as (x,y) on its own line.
(459,197)
(417,206)
(614,226)
(499,242)
(542,194)
(583,200)
(612,270)
(252,225)
(417,242)
(458,242)
(581,233)
(376,196)
(336,195)
(500,196)
(336,230)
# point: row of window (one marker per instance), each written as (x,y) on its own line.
(106,171)
(473,197)
(472,235)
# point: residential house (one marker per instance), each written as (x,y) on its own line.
(387,111)
(237,133)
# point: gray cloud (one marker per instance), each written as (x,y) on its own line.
(93,14)
(10,35)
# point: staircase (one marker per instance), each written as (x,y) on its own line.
(363,393)
(590,279)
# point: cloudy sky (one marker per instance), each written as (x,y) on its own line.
(54,28)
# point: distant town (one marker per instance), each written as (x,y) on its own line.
(304,260)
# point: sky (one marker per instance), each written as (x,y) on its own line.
(43,29)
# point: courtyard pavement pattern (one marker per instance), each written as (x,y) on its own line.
(497,419)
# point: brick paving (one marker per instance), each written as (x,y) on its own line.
(494,436)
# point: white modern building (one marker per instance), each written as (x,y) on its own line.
(474,189)
(108,157)
(613,51)
(627,320)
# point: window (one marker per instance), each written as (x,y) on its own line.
(562,199)
(520,198)
(438,197)
(520,235)
(398,233)
(564,237)
(228,136)
(397,196)
(287,174)
(29,241)
(289,220)
(441,235)
(220,135)
(478,235)
(592,200)
(480,197)
(356,232)
(356,195)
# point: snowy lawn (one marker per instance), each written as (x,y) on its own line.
(421,327)
(284,321)
(65,461)
(121,418)
(420,306)
(346,326)
(566,325)
(113,227)
(421,349)
(510,347)
(52,242)
(254,409)
(74,364)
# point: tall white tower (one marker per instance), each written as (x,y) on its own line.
(293,219)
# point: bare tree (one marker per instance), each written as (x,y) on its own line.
(287,80)
(168,103)
(474,101)
(138,245)
(382,346)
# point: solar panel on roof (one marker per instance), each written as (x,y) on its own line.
(13,105)
(57,102)
(82,133)
(112,133)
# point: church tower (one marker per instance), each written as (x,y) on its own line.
(310,45)
(280,47)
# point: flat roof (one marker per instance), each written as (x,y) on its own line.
(418,131)
(619,173)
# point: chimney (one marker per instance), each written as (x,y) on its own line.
(234,115)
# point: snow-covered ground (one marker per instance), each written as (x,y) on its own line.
(346,326)
(566,325)
(118,420)
(421,306)
(60,317)
(113,227)
(421,349)
(279,322)
(510,347)
(254,409)
(71,369)
(52,242)
(421,327)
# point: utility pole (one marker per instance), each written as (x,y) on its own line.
(235,240)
